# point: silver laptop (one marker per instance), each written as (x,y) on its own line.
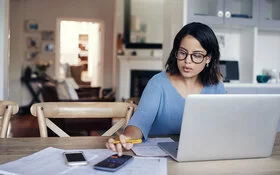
(229,126)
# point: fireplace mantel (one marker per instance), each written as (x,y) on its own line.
(128,63)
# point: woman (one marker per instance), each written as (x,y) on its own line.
(192,68)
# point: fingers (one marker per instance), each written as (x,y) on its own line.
(119,147)
(123,139)
(111,145)
(114,147)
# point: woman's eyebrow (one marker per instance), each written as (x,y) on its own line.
(196,51)
(183,48)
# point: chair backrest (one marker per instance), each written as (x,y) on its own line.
(7,108)
(115,110)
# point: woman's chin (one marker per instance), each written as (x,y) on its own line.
(187,74)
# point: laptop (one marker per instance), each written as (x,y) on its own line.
(226,126)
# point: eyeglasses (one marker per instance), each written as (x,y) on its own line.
(195,57)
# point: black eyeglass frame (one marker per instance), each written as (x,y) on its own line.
(187,54)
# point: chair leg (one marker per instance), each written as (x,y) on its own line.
(6,121)
(9,134)
(42,123)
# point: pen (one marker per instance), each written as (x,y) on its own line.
(134,141)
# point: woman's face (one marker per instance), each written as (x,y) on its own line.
(190,68)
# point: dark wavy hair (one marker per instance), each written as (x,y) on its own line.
(210,75)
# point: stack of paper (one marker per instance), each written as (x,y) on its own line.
(51,161)
(150,147)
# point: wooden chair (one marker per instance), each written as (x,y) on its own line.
(119,111)
(7,109)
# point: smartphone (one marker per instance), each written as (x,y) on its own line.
(75,158)
(113,163)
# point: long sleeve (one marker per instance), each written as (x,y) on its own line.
(147,109)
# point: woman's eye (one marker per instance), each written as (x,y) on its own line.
(182,53)
(198,55)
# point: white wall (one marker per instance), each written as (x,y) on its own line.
(119,19)
(172,23)
(4,48)
(119,29)
(267,52)
(46,13)
(247,54)
(231,48)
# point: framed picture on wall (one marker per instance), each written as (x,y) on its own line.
(48,47)
(31,26)
(33,42)
(31,55)
(47,35)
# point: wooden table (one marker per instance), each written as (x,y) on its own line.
(14,148)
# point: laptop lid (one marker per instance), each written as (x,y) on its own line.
(228,126)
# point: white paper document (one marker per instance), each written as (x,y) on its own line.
(51,161)
(150,147)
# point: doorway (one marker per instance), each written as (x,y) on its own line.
(80,44)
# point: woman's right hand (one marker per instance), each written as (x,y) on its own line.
(119,146)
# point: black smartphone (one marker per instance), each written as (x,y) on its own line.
(113,163)
(75,158)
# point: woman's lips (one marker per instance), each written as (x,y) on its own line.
(187,69)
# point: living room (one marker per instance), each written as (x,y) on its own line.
(263,40)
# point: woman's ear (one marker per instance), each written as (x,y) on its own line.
(208,59)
